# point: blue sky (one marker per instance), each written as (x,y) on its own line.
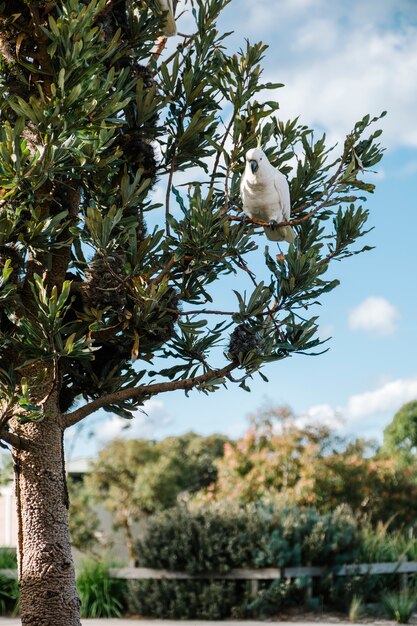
(338,61)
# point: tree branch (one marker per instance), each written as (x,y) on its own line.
(20,443)
(292,222)
(147,391)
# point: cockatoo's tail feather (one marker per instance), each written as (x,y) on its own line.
(283,233)
(170,28)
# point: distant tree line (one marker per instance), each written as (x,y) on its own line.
(277,462)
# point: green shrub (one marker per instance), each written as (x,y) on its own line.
(100,595)
(9,588)
(399,606)
(273,597)
(188,599)
(305,537)
(219,538)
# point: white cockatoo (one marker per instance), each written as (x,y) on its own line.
(266,195)
(170,28)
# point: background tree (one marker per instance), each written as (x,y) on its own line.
(88,298)
(291,466)
(400,436)
(84,520)
(267,463)
(136,478)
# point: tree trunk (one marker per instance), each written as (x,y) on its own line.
(130,542)
(48,595)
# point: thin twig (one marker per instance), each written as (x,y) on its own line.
(205,312)
(270,312)
(221,148)
(188,39)
(158,279)
(168,194)
(160,45)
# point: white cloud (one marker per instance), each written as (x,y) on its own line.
(322,414)
(235,430)
(339,61)
(142,425)
(389,397)
(375,314)
(352,74)
(365,413)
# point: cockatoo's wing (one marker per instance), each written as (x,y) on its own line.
(284,233)
(170,25)
(283,190)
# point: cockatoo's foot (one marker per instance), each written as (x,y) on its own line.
(273,224)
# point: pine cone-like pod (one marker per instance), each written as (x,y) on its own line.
(161,328)
(112,17)
(105,282)
(243,340)
(139,152)
(144,72)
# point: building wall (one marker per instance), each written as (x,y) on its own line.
(8,519)
(111,545)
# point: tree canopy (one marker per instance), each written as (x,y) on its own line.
(87,292)
(94,307)
(280,462)
(137,477)
(401,433)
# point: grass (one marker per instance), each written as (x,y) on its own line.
(379,544)
(100,595)
(355,608)
(9,589)
(399,605)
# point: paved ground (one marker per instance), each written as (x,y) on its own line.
(6,621)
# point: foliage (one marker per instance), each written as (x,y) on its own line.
(399,605)
(91,303)
(219,538)
(77,166)
(400,436)
(136,477)
(379,543)
(274,597)
(188,599)
(356,609)
(84,521)
(100,595)
(9,588)
(278,461)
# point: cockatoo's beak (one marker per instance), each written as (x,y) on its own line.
(254,166)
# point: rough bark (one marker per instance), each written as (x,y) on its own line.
(46,568)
